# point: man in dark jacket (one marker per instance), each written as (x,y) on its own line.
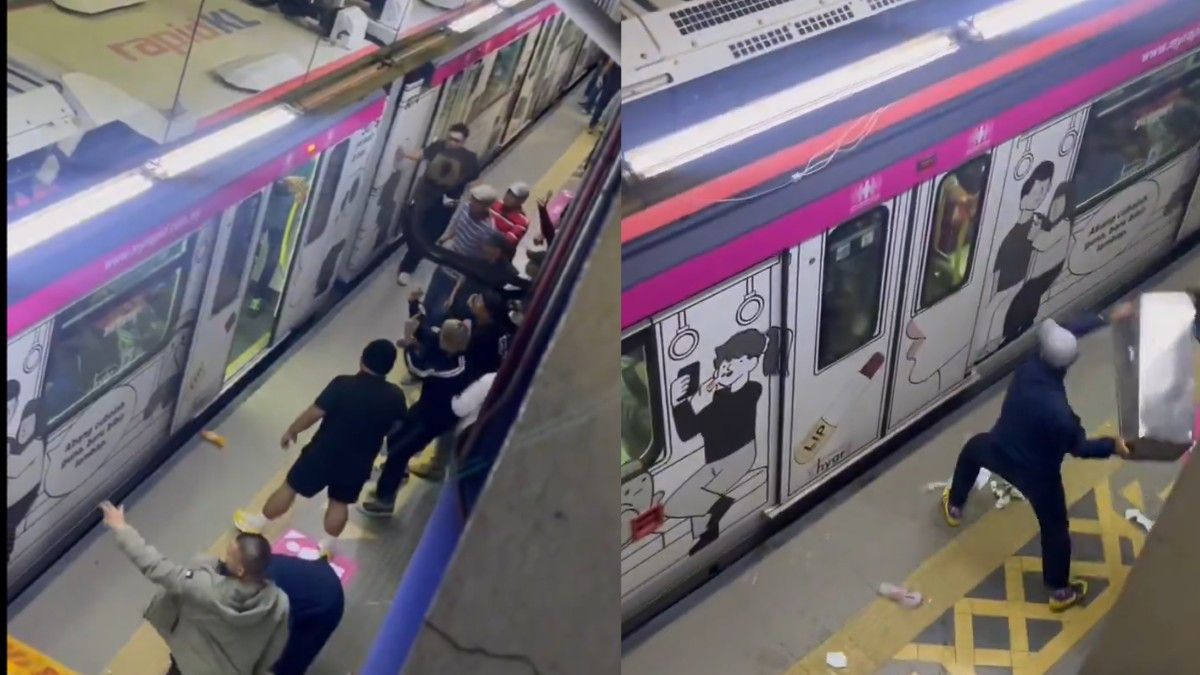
(218,617)
(1036,430)
(317,602)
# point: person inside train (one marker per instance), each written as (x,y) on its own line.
(216,616)
(449,168)
(288,195)
(316,602)
(592,90)
(470,234)
(355,412)
(1026,446)
(509,213)
(431,416)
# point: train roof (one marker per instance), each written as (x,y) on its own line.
(705,203)
(732,94)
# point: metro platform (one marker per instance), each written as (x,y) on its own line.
(811,589)
(86,610)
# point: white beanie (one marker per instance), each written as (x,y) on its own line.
(1056,344)
(482,192)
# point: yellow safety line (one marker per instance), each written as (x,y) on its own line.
(145,652)
(25,660)
(883,629)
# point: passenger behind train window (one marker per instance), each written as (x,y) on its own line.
(1137,128)
(637,422)
(852,285)
(954,230)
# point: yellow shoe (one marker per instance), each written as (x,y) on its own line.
(426,465)
(1061,601)
(951,514)
(248,522)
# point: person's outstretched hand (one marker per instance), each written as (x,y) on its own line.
(1122,448)
(114,516)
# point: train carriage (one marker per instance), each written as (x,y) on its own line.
(128,327)
(887,237)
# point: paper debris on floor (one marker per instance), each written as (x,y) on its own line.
(836,660)
(1136,516)
(981,482)
(900,595)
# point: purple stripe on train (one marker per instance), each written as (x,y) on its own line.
(711,268)
(40,305)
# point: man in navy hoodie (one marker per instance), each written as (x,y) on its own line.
(1036,430)
(316,600)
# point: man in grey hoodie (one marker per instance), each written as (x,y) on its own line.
(217,617)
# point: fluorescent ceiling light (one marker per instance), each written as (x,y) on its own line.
(691,143)
(1016,15)
(59,217)
(472,19)
(208,148)
(509,4)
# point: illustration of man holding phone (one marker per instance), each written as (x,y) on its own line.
(723,411)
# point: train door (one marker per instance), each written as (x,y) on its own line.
(843,314)
(393,175)
(700,417)
(495,102)
(228,275)
(523,110)
(325,230)
(942,288)
(270,266)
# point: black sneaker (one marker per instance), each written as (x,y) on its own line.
(378,508)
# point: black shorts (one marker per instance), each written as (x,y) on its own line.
(316,470)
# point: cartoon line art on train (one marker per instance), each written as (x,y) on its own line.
(114,352)
(893,292)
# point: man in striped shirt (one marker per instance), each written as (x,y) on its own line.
(469,232)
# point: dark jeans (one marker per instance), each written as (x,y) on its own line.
(1043,490)
(410,440)
(601,102)
(304,643)
(432,217)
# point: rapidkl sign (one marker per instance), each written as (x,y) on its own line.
(175,39)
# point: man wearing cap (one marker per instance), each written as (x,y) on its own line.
(508,214)
(450,166)
(469,232)
(1037,428)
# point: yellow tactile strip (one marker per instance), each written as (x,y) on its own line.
(25,660)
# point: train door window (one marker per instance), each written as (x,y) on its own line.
(953,231)
(270,266)
(237,253)
(641,420)
(104,336)
(1137,128)
(852,286)
(318,219)
(500,80)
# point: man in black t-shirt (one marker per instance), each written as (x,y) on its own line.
(356,413)
(450,166)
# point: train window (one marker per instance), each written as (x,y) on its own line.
(237,253)
(852,286)
(1137,128)
(500,80)
(318,222)
(954,230)
(641,436)
(104,336)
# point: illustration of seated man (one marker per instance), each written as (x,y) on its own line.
(26,457)
(1050,240)
(723,411)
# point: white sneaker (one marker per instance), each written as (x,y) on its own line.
(403,278)
(250,523)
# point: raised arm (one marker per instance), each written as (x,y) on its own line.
(153,565)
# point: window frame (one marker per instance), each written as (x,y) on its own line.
(888,212)
(179,263)
(919,304)
(255,224)
(328,169)
(645,339)
(1189,74)
(483,103)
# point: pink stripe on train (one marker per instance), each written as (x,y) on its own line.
(49,300)
(711,268)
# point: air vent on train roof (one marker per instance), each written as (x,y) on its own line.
(665,44)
